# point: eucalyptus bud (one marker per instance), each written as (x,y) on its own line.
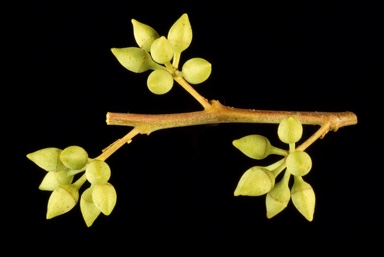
(290,130)
(62,200)
(256,147)
(278,198)
(135,59)
(196,70)
(74,157)
(47,159)
(88,208)
(303,197)
(180,34)
(161,50)
(255,181)
(104,196)
(144,34)
(53,179)
(98,172)
(299,163)
(160,82)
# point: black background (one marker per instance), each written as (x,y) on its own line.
(175,187)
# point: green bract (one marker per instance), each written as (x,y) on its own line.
(161,50)
(135,59)
(196,70)
(74,157)
(160,82)
(255,181)
(290,130)
(144,35)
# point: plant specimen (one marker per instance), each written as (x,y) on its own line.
(70,168)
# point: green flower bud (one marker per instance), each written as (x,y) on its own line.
(161,50)
(160,82)
(303,197)
(98,172)
(74,157)
(196,70)
(62,200)
(104,196)
(47,159)
(53,179)
(290,130)
(299,163)
(135,59)
(144,34)
(256,147)
(278,198)
(87,207)
(255,181)
(180,34)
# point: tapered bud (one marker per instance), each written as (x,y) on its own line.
(47,159)
(180,34)
(53,179)
(62,200)
(88,208)
(278,198)
(256,147)
(290,130)
(196,70)
(299,163)
(74,157)
(303,197)
(104,196)
(255,181)
(135,59)
(161,50)
(144,34)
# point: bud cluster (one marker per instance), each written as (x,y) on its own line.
(62,165)
(260,180)
(156,52)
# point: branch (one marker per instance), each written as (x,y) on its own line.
(218,113)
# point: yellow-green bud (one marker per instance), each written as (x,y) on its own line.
(87,207)
(196,70)
(135,59)
(256,147)
(303,197)
(48,159)
(278,198)
(299,163)
(62,200)
(180,34)
(144,34)
(255,181)
(74,157)
(53,179)
(160,82)
(290,130)
(104,196)
(161,50)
